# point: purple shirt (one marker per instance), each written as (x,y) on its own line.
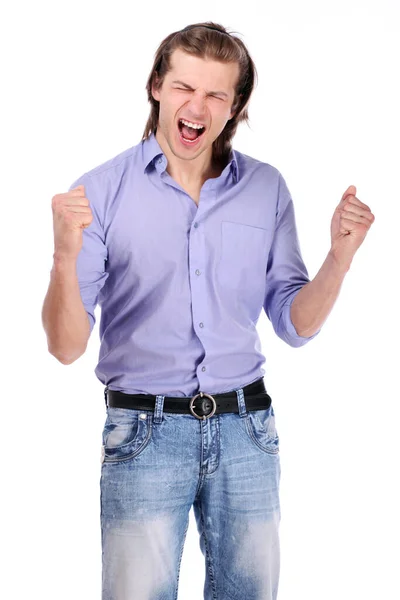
(181,286)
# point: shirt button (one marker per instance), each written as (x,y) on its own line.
(197,272)
(203,368)
(160,160)
(195,225)
(201,324)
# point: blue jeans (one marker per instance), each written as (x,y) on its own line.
(155,466)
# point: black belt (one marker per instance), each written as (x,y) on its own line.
(206,405)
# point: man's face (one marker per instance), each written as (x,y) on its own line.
(200,92)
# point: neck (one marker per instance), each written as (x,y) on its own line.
(189,172)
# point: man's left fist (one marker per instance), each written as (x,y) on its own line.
(350,224)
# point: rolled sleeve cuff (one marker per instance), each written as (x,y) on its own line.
(290,334)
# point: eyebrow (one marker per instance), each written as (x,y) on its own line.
(190,88)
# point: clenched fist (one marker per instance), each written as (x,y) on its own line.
(71,214)
(350,224)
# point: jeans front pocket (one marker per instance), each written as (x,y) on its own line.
(261,428)
(125,434)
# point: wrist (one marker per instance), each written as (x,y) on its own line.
(342,263)
(63,261)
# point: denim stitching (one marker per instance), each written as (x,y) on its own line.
(136,452)
(251,434)
(241,402)
(158,409)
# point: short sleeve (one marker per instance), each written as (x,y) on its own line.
(91,261)
(286,272)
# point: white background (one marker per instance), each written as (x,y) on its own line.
(326,114)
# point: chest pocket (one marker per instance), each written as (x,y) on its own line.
(244,256)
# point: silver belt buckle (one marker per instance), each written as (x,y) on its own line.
(204,406)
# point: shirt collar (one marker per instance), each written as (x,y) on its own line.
(151,151)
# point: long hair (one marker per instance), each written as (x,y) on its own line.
(206,40)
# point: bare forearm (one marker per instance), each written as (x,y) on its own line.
(64,317)
(315,300)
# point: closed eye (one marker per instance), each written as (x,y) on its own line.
(212,95)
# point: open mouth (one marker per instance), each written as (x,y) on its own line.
(190,134)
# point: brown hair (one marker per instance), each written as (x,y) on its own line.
(211,41)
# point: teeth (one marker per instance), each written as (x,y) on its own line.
(193,125)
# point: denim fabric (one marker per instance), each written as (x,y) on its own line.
(155,467)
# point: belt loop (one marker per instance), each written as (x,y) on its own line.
(105,395)
(241,402)
(158,409)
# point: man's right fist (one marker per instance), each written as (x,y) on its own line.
(71,214)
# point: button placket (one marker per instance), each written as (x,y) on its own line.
(198,272)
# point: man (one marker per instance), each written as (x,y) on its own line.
(183,241)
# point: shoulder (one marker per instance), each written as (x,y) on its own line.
(253,167)
(103,181)
(266,179)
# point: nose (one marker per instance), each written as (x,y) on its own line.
(197,105)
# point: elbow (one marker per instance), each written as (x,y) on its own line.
(66,360)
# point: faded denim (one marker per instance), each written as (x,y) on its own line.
(155,466)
